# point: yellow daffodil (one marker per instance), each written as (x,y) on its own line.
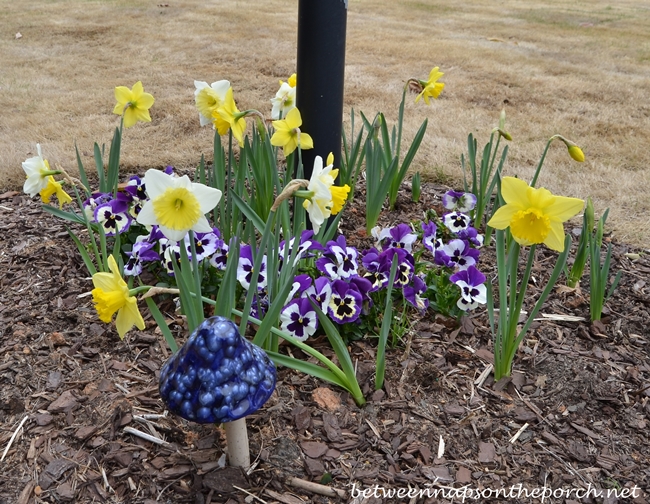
(431,88)
(288,135)
(177,205)
(292,80)
(110,295)
(38,172)
(208,98)
(133,103)
(534,215)
(54,187)
(227,116)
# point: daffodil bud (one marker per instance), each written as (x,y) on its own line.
(260,128)
(502,120)
(576,153)
(589,214)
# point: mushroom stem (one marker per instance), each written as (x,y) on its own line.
(237,441)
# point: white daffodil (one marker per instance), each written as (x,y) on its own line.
(208,98)
(177,205)
(284,101)
(319,206)
(37,171)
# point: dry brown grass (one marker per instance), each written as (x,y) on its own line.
(580,69)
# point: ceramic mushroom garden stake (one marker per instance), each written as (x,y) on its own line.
(217,376)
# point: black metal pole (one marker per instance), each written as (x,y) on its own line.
(321,73)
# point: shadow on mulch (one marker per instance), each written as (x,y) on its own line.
(573,416)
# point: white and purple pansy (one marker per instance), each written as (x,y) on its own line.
(205,245)
(371,263)
(459,201)
(456,221)
(456,254)
(429,236)
(299,319)
(142,251)
(219,258)
(405,265)
(299,285)
(339,260)
(307,244)
(245,268)
(91,204)
(171,252)
(113,216)
(345,302)
(472,235)
(412,293)
(344,256)
(136,189)
(400,236)
(321,292)
(472,289)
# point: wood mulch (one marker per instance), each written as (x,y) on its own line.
(574,415)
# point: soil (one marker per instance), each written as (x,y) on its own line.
(574,415)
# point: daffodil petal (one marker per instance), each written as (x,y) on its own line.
(564,208)
(127,317)
(156,183)
(173,234)
(306,142)
(145,101)
(294,120)
(515,192)
(147,216)
(503,216)
(104,281)
(208,197)
(123,95)
(555,238)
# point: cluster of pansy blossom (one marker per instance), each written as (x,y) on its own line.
(459,254)
(343,281)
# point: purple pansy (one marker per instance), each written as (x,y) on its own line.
(457,254)
(113,216)
(299,319)
(307,243)
(472,289)
(321,292)
(339,260)
(459,201)
(93,202)
(472,235)
(429,239)
(142,251)
(412,293)
(400,236)
(405,266)
(170,251)
(205,244)
(345,302)
(300,284)
(245,268)
(220,256)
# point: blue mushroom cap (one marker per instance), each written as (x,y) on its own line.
(217,375)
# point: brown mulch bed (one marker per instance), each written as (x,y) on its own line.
(579,399)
